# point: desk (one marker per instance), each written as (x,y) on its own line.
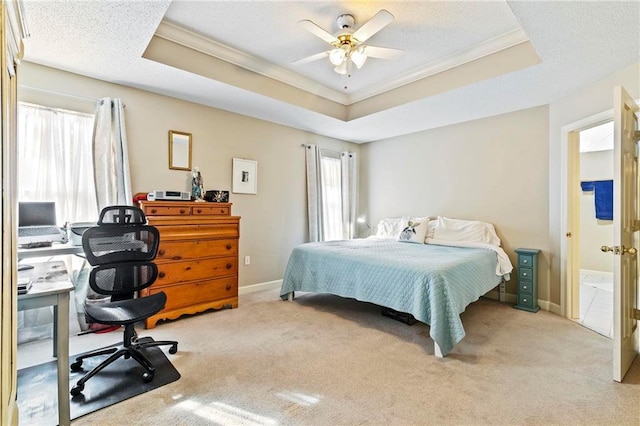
(55,250)
(51,287)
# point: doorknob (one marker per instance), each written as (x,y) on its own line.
(620,250)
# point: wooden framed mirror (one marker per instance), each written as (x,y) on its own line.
(179,150)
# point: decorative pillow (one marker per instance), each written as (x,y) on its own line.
(390,227)
(431,228)
(465,230)
(414,230)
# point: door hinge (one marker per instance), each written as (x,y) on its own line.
(636,314)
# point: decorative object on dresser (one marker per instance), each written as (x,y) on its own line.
(245,176)
(197,257)
(217,196)
(527,280)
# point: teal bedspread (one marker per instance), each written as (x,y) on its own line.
(434,283)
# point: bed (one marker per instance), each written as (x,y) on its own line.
(434,281)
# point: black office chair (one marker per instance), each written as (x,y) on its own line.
(121,250)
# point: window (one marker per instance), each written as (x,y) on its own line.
(55,161)
(331,186)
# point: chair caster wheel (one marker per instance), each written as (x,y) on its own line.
(173,349)
(76,366)
(147,377)
(77,390)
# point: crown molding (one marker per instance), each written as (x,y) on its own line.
(184,37)
(213,48)
(493,45)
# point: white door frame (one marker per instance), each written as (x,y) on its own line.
(569,214)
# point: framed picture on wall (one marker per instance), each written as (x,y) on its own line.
(245,176)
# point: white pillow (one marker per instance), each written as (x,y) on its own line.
(390,227)
(431,228)
(414,230)
(465,230)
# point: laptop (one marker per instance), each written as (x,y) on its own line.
(37,225)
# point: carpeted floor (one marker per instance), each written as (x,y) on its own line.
(324,360)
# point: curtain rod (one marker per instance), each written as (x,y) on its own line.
(52,92)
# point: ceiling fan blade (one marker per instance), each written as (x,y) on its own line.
(382,52)
(312,58)
(373,25)
(317,31)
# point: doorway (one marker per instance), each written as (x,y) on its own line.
(595,210)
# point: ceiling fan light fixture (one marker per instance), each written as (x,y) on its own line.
(342,68)
(358,57)
(337,56)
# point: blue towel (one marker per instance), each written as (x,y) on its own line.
(603,195)
(586,186)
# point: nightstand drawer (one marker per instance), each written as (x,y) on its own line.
(525,260)
(525,301)
(525,273)
(525,287)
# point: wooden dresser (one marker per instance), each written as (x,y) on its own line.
(197,258)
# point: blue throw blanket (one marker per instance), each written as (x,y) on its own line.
(434,283)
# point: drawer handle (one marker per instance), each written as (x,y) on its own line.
(228,246)
(161,252)
(161,275)
(524,274)
(525,261)
(188,268)
(228,287)
(199,210)
(182,211)
(525,300)
(154,211)
(221,210)
(524,287)
(229,266)
(176,258)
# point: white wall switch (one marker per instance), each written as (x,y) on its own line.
(247,260)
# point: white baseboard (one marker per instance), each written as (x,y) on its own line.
(270,285)
(548,306)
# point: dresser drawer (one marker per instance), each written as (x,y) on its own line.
(525,260)
(177,210)
(525,287)
(525,301)
(175,272)
(525,273)
(188,232)
(209,210)
(195,249)
(184,295)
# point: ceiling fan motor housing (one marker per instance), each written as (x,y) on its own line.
(345,22)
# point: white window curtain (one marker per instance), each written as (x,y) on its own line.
(314,192)
(54,161)
(349,187)
(331,193)
(110,155)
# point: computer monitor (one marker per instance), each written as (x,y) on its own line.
(36,213)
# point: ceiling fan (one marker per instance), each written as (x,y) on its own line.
(348,45)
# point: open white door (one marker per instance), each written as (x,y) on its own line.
(625,220)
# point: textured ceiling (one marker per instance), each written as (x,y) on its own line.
(576,42)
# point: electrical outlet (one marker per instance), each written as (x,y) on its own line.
(247,260)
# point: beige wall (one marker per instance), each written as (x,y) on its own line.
(594,232)
(273,221)
(493,169)
(592,99)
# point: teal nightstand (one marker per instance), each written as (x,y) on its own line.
(527,280)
